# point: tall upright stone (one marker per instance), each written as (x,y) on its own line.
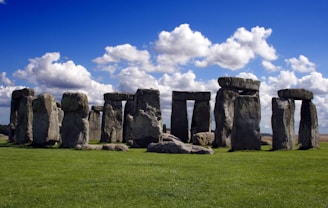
(112,122)
(179,120)
(45,121)
(21,116)
(308,136)
(246,126)
(128,121)
(147,117)
(282,122)
(94,123)
(201,117)
(75,125)
(224,114)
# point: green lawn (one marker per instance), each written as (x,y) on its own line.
(33,177)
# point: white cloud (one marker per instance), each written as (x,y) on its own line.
(52,76)
(314,82)
(180,46)
(2,2)
(247,75)
(5,94)
(240,48)
(302,64)
(127,54)
(5,80)
(270,67)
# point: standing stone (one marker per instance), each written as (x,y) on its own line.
(246,126)
(128,121)
(94,125)
(201,117)
(282,122)
(112,122)
(21,116)
(224,114)
(75,126)
(179,120)
(45,121)
(308,136)
(148,117)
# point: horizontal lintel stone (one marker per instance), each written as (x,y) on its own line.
(118,96)
(296,94)
(190,95)
(239,83)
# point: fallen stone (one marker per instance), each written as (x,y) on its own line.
(203,138)
(239,83)
(177,147)
(89,147)
(296,94)
(115,147)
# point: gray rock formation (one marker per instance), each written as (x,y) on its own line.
(21,116)
(239,83)
(147,117)
(94,123)
(45,121)
(203,138)
(75,126)
(296,94)
(111,147)
(177,147)
(128,121)
(224,114)
(308,136)
(179,120)
(246,126)
(112,121)
(201,117)
(282,122)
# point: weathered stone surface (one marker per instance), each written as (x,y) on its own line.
(112,122)
(190,95)
(75,102)
(94,125)
(89,147)
(239,83)
(203,138)
(45,121)
(282,122)
(308,136)
(246,126)
(147,117)
(128,121)
(201,117)
(118,96)
(168,137)
(21,116)
(296,94)
(116,147)
(224,114)
(75,125)
(97,108)
(177,147)
(179,120)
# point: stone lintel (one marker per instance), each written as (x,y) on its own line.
(97,108)
(118,96)
(190,95)
(296,94)
(22,93)
(239,83)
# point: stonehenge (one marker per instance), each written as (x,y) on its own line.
(201,118)
(237,114)
(283,120)
(41,121)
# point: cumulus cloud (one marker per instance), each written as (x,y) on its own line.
(240,48)
(48,74)
(5,80)
(302,64)
(2,2)
(180,46)
(314,82)
(269,66)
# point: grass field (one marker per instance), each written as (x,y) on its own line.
(32,177)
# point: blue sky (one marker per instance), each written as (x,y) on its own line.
(102,46)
